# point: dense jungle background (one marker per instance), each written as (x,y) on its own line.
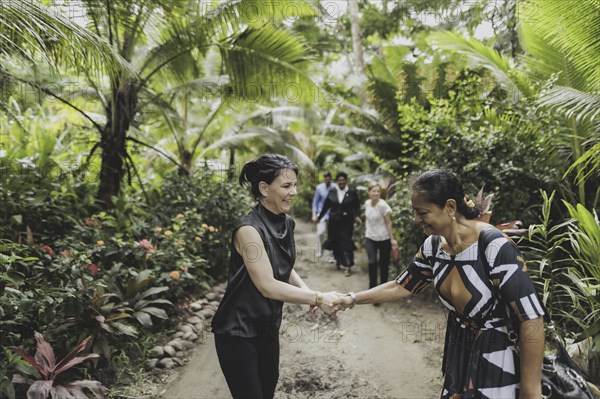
(124,125)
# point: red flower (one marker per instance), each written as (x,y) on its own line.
(47,249)
(93,268)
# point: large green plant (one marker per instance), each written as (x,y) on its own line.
(559,71)
(39,204)
(563,259)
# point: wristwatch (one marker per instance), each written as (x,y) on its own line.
(353,296)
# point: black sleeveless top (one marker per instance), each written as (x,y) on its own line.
(244,311)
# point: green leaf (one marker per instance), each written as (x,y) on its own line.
(7,388)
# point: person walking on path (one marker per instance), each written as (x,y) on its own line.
(261,277)
(379,236)
(321,192)
(344,207)
(478,274)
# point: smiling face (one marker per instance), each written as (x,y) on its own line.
(432,218)
(341,182)
(375,193)
(277,196)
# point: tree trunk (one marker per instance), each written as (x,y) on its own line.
(121,111)
(231,170)
(359,62)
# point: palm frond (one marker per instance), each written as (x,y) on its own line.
(545,60)
(29,28)
(574,103)
(226,17)
(587,164)
(484,56)
(269,62)
(574,27)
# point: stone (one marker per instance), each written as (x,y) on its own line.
(207,313)
(178,334)
(211,296)
(196,306)
(166,363)
(188,344)
(185,328)
(219,289)
(200,315)
(194,320)
(157,352)
(169,350)
(151,364)
(178,361)
(177,344)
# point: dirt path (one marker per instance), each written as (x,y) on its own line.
(390,351)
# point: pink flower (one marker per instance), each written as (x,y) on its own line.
(46,248)
(147,245)
(93,268)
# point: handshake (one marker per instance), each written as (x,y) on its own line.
(332,302)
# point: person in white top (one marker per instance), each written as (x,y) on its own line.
(379,234)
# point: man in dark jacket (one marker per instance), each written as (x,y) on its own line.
(344,210)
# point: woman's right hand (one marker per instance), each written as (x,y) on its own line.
(329,305)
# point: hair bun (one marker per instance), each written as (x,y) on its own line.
(252,171)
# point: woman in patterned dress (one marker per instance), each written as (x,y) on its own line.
(478,273)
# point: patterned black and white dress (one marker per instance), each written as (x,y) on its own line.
(480,361)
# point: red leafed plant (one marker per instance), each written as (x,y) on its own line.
(49,370)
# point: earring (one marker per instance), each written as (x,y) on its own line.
(454,218)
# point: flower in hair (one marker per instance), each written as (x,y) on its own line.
(469,202)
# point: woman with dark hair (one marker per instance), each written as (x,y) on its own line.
(261,278)
(478,274)
(344,212)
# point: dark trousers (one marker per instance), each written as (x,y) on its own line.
(384,248)
(250,365)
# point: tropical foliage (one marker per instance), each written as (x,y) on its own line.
(52,383)
(124,125)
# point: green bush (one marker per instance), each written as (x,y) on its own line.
(206,198)
(44,203)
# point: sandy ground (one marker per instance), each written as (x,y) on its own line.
(388,351)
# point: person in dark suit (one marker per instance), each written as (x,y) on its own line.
(344,212)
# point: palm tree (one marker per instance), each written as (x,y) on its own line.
(161,41)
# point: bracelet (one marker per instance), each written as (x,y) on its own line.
(318,299)
(353,303)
